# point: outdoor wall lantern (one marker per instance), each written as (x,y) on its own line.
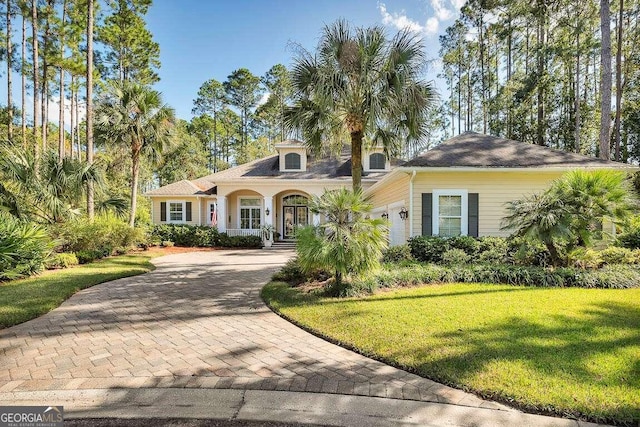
(404,214)
(385,216)
(267,212)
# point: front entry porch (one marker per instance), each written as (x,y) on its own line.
(249,213)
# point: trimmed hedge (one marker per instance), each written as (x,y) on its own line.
(201,236)
(611,276)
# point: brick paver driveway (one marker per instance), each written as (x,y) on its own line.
(196,321)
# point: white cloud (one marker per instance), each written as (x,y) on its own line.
(432,26)
(264,98)
(457,4)
(443,10)
(399,20)
(442,13)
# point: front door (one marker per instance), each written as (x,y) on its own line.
(295,213)
(294,216)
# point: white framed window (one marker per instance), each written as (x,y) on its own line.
(450,213)
(176,211)
(250,213)
(292,161)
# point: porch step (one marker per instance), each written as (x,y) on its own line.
(283,245)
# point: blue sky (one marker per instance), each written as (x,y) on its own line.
(204,39)
(207,39)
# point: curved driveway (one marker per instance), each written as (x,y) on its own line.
(197,321)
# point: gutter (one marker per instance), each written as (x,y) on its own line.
(413,175)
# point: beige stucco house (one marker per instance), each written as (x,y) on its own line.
(458,187)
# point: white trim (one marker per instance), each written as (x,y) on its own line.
(413,176)
(396,204)
(260,206)
(435,217)
(184,211)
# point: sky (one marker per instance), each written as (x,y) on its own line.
(204,39)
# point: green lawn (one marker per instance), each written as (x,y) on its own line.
(22,300)
(568,351)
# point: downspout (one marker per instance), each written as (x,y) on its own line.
(413,175)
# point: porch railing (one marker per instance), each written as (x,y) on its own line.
(243,232)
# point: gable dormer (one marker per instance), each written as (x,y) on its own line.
(374,160)
(293,156)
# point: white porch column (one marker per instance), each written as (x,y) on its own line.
(316,219)
(222,214)
(268,206)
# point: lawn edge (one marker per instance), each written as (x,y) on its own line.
(531,409)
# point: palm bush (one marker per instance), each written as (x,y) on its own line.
(24,247)
(348,243)
(571,212)
(50,192)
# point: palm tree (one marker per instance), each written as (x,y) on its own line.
(572,210)
(134,116)
(362,85)
(348,242)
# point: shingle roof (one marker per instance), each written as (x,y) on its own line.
(317,168)
(472,149)
(185,188)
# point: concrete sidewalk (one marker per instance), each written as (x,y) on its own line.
(276,406)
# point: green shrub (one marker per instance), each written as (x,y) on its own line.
(467,244)
(616,255)
(240,241)
(187,235)
(62,260)
(585,258)
(87,256)
(455,256)
(397,254)
(104,234)
(24,248)
(614,276)
(120,251)
(167,244)
(427,248)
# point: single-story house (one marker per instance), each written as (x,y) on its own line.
(460,187)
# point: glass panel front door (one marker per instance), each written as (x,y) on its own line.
(294,216)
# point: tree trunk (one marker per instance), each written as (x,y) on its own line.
(540,71)
(23,71)
(61,144)
(9,73)
(36,82)
(356,159)
(90,208)
(72,115)
(618,84)
(45,75)
(605,80)
(135,171)
(556,260)
(576,94)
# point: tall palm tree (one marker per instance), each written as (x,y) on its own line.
(134,116)
(363,86)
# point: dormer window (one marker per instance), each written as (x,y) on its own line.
(377,161)
(292,161)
